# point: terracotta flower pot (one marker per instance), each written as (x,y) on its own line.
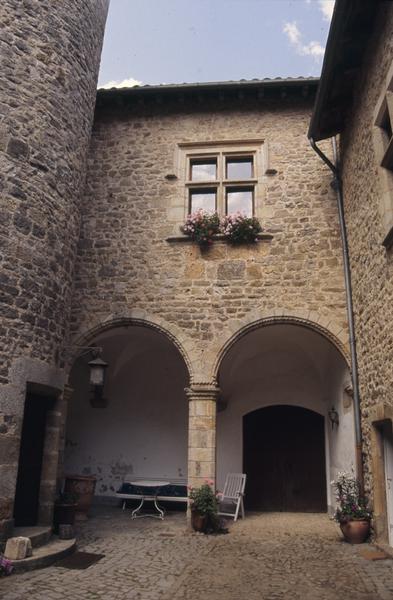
(198,521)
(355,532)
(82,486)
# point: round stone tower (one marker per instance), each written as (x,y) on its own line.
(50,55)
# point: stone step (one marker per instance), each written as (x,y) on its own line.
(39,534)
(45,555)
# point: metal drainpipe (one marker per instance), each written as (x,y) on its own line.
(348,290)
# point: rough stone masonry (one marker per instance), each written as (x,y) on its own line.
(49,66)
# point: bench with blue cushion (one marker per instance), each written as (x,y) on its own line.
(171,492)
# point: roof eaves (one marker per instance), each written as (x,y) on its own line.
(209,86)
(332,100)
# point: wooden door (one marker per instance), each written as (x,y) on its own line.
(388,456)
(30,460)
(284,459)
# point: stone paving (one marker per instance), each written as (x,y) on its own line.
(266,557)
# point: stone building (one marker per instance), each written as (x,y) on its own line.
(355,101)
(48,78)
(225,358)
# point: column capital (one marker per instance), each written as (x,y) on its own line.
(203,391)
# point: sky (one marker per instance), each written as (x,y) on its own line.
(187,41)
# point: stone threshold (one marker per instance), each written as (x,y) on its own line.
(264,237)
(45,555)
(38,534)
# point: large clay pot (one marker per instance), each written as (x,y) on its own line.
(82,486)
(198,521)
(355,532)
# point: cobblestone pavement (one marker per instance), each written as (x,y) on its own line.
(266,557)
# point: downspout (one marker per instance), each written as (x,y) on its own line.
(334,167)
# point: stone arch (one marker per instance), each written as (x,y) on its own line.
(139,319)
(328,328)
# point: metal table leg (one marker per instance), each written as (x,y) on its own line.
(136,512)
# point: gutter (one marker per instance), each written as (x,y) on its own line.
(337,184)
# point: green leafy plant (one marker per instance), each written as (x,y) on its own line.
(201,226)
(351,504)
(204,499)
(240,229)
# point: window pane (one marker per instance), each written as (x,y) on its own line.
(239,168)
(205,199)
(204,170)
(240,200)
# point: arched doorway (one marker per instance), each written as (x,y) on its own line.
(141,431)
(284,458)
(290,374)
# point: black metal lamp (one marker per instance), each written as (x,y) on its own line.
(97,380)
(97,374)
(97,371)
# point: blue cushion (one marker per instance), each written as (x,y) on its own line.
(171,489)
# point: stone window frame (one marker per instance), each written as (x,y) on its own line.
(188,151)
(383,147)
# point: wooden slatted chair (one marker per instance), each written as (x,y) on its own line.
(232,496)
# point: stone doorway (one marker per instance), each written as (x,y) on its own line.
(27,495)
(284,458)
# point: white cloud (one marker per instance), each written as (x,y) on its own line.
(327,7)
(131,82)
(293,33)
(313,48)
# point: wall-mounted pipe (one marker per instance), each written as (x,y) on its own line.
(334,167)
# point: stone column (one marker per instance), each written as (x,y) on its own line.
(10,432)
(202,433)
(67,395)
(53,455)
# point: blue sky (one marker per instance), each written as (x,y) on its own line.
(176,41)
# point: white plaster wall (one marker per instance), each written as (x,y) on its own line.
(143,432)
(290,365)
(341,439)
(293,389)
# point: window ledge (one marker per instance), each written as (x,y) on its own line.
(264,237)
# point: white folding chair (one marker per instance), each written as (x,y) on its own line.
(232,496)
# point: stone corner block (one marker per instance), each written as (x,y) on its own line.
(18,548)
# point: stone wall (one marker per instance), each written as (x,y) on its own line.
(371,264)
(49,67)
(125,262)
(130,266)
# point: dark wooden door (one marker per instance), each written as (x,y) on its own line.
(30,460)
(284,459)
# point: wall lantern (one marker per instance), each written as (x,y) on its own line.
(334,418)
(97,379)
(97,371)
(97,374)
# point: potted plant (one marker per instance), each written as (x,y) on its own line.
(204,507)
(240,229)
(201,226)
(65,510)
(352,511)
